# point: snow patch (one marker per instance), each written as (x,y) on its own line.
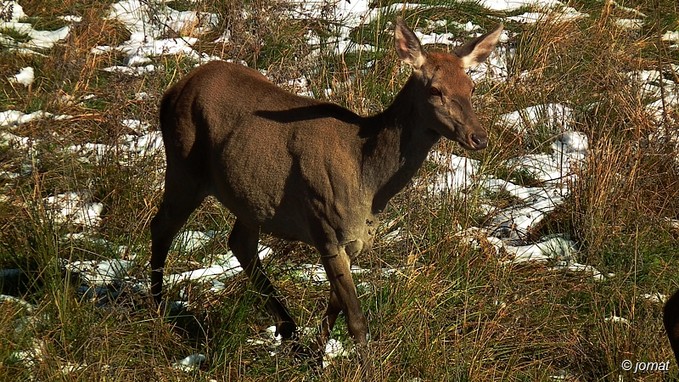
(511,5)
(552,115)
(672,36)
(38,39)
(560,15)
(73,208)
(25,77)
(147,22)
(16,117)
(631,24)
(99,273)
(190,363)
(222,266)
(333,348)
(460,173)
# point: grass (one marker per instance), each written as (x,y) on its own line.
(455,311)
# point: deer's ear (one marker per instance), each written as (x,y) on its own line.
(477,50)
(408,45)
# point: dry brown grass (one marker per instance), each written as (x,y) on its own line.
(455,312)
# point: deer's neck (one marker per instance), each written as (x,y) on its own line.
(397,146)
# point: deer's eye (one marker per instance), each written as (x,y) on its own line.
(434,91)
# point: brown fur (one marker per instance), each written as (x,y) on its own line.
(671,320)
(302,169)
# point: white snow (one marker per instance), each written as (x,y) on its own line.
(436,38)
(618,6)
(656,297)
(32,356)
(147,22)
(47,39)
(514,223)
(15,300)
(17,11)
(16,117)
(99,273)
(72,18)
(316,273)
(617,319)
(631,24)
(553,115)
(333,348)
(140,52)
(190,363)
(136,16)
(461,173)
(147,144)
(557,167)
(73,208)
(89,237)
(345,15)
(190,241)
(136,125)
(564,14)
(558,251)
(131,71)
(554,248)
(555,171)
(510,5)
(25,77)
(269,338)
(39,39)
(223,266)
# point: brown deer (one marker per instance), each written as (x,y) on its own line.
(306,170)
(671,320)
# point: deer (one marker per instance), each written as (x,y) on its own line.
(671,321)
(305,170)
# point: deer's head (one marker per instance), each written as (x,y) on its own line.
(444,89)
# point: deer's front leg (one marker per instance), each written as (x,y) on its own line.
(343,297)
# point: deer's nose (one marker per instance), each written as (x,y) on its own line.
(479,141)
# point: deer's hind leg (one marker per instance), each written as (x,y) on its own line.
(182,196)
(243,242)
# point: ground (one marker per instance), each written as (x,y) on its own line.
(546,256)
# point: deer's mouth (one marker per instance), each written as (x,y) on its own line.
(471,146)
(477,140)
